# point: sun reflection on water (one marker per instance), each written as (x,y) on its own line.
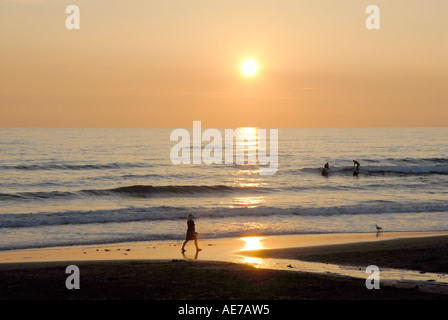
(252,243)
(246,202)
(256,262)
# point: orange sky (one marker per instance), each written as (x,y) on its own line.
(166,63)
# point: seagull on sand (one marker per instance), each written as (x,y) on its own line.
(378,228)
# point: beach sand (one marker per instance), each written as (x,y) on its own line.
(265,268)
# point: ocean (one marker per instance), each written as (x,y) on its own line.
(94,186)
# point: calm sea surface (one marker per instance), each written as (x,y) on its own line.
(88,186)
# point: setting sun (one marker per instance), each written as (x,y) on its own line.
(249,67)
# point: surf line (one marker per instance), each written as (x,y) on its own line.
(248,140)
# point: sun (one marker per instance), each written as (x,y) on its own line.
(249,67)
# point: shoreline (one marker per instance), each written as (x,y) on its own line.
(212,249)
(148,270)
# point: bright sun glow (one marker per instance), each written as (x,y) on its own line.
(249,132)
(252,243)
(249,67)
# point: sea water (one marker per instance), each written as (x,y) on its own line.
(89,186)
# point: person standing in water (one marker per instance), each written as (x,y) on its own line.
(355,170)
(325,169)
(191,233)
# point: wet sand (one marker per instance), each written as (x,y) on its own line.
(226,269)
(429,254)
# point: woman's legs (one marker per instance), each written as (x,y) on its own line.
(196,244)
(183,246)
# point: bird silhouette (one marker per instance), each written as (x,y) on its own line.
(378,228)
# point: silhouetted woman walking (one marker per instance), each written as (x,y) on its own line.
(191,233)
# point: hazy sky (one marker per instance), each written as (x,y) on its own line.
(165,63)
